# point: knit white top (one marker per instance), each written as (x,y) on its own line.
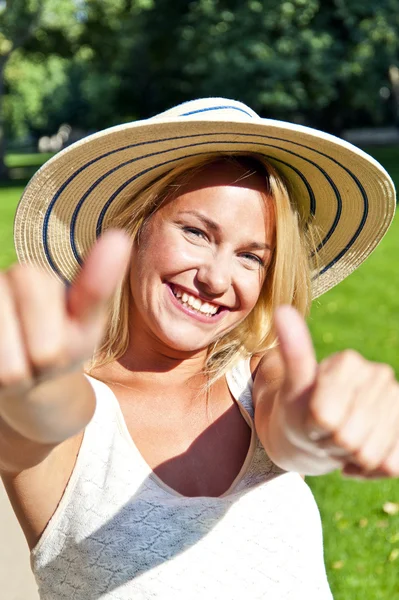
(120,533)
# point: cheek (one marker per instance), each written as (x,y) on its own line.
(153,251)
(253,296)
(250,289)
(161,255)
(173,254)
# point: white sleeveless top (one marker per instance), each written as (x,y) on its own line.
(120,533)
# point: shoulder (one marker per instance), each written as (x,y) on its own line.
(267,375)
(268,364)
(267,368)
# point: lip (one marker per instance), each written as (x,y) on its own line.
(194,314)
(197,295)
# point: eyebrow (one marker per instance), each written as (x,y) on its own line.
(215,227)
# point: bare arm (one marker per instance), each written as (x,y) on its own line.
(45,338)
(61,409)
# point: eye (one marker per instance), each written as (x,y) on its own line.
(194,232)
(254,258)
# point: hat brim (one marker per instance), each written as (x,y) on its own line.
(76,195)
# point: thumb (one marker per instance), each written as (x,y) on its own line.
(103,269)
(296,348)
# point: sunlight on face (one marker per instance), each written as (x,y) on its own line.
(202,259)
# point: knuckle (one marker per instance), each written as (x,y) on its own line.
(386,372)
(14,376)
(20,273)
(13,270)
(27,279)
(345,440)
(48,358)
(350,357)
(367,459)
(323,416)
(341,361)
(390,465)
(390,468)
(350,354)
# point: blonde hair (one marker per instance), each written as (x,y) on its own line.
(287,280)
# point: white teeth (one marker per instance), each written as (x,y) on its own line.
(195,303)
(208,308)
(205,308)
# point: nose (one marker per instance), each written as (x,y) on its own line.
(214,276)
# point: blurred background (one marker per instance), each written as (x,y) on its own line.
(71,67)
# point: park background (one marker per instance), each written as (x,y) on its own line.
(71,67)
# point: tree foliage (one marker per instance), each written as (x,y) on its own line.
(32,34)
(321,62)
(94,63)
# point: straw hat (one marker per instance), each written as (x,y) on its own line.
(77,194)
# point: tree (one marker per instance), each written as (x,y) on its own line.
(44,26)
(322,62)
(18,21)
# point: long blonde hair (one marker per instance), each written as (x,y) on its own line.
(287,280)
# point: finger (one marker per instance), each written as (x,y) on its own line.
(333,448)
(14,365)
(357,472)
(104,268)
(354,421)
(338,381)
(40,305)
(296,349)
(383,435)
(390,464)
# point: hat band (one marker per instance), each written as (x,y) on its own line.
(209,108)
(207,142)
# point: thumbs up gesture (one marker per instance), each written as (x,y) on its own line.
(46,335)
(343,412)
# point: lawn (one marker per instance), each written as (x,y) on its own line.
(361,528)
(361,537)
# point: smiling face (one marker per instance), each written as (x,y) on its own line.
(202,259)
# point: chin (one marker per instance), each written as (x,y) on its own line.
(191,341)
(187,337)
(186,345)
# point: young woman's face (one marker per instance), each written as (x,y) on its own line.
(202,259)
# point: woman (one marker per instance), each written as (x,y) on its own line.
(172,469)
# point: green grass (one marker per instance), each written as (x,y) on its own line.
(361,540)
(22,166)
(9,197)
(27,160)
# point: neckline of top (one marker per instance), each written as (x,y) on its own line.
(124,431)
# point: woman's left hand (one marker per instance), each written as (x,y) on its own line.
(345,407)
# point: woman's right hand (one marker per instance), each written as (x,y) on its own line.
(47,334)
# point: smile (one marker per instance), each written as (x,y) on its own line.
(194,303)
